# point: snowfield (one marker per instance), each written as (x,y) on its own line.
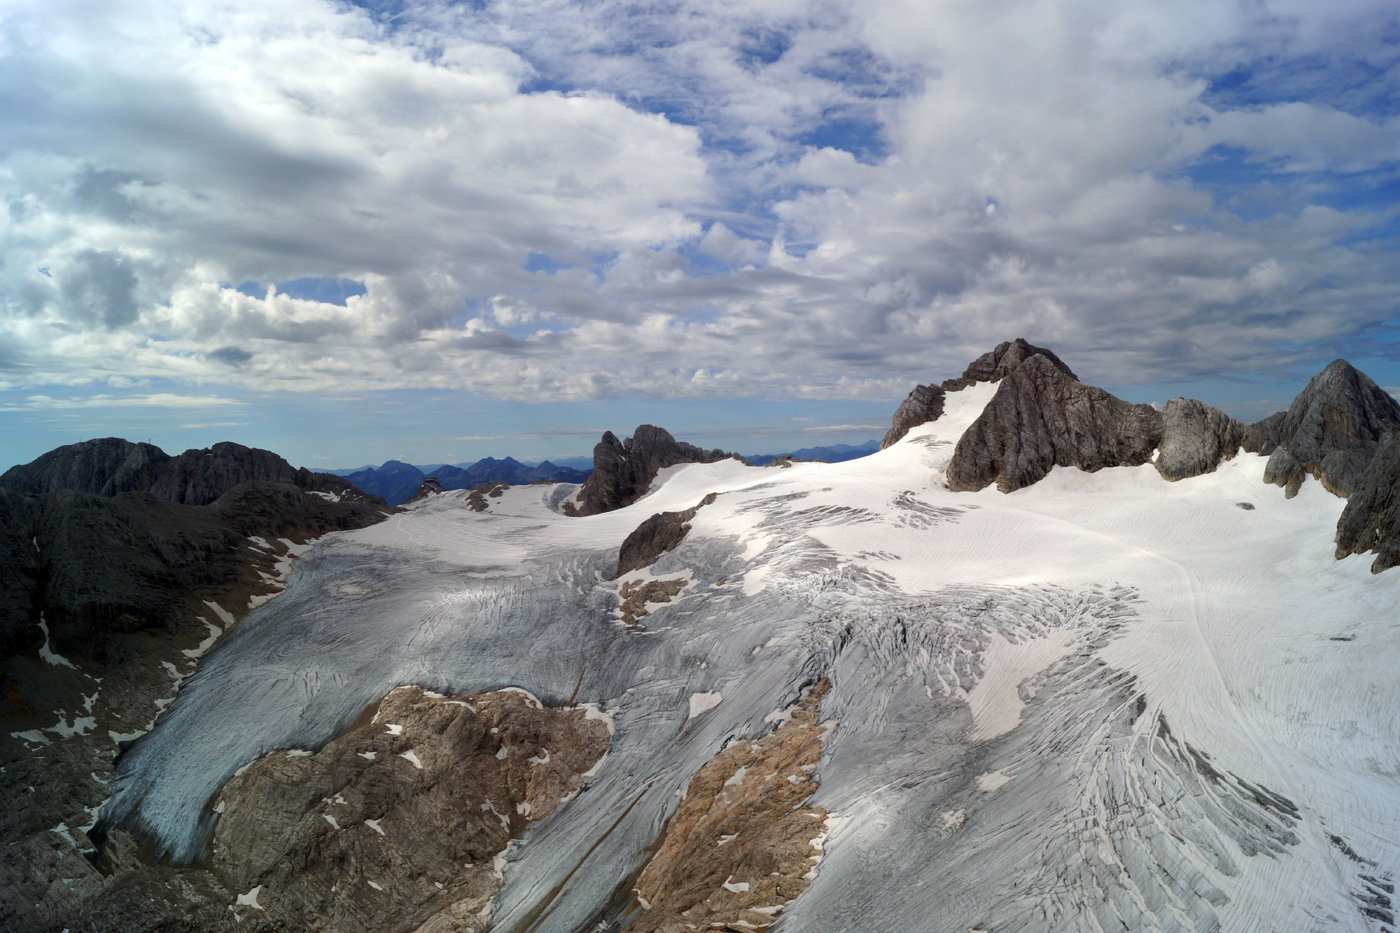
(1103,702)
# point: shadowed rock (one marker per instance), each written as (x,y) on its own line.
(101,568)
(1283,469)
(430,487)
(1371,519)
(655,536)
(110,466)
(1042,417)
(622,472)
(1332,430)
(924,404)
(1001,362)
(1195,438)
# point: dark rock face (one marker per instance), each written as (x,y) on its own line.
(655,536)
(1001,362)
(622,472)
(430,487)
(924,404)
(397,823)
(100,568)
(1042,417)
(1371,519)
(110,466)
(105,466)
(1332,430)
(1195,438)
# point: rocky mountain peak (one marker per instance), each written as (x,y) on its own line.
(926,402)
(1042,417)
(110,466)
(105,466)
(1000,362)
(1332,430)
(623,471)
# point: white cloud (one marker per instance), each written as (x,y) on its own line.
(1018,170)
(157,400)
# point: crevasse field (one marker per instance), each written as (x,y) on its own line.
(1104,702)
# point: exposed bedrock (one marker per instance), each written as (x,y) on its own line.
(623,471)
(744,842)
(1196,437)
(655,536)
(1332,430)
(1000,362)
(100,567)
(924,404)
(1371,519)
(397,824)
(109,466)
(429,487)
(1042,417)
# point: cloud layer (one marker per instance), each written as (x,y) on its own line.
(815,199)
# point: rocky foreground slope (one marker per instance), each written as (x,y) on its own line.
(119,566)
(1049,660)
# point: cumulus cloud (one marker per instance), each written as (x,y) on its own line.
(813,198)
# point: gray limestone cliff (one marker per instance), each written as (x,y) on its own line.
(924,404)
(1331,431)
(1196,437)
(1371,519)
(623,471)
(1042,417)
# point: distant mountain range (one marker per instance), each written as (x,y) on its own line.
(397,481)
(836,453)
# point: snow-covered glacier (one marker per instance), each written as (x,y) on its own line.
(1103,702)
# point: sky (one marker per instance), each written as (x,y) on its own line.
(438,231)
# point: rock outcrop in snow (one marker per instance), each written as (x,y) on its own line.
(1371,520)
(1331,431)
(623,471)
(397,824)
(655,536)
(1000,362)
(924,404)
(1042,417)
(1196,437)
(429,487)
(744,841)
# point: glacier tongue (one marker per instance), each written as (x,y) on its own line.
(1104,701)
